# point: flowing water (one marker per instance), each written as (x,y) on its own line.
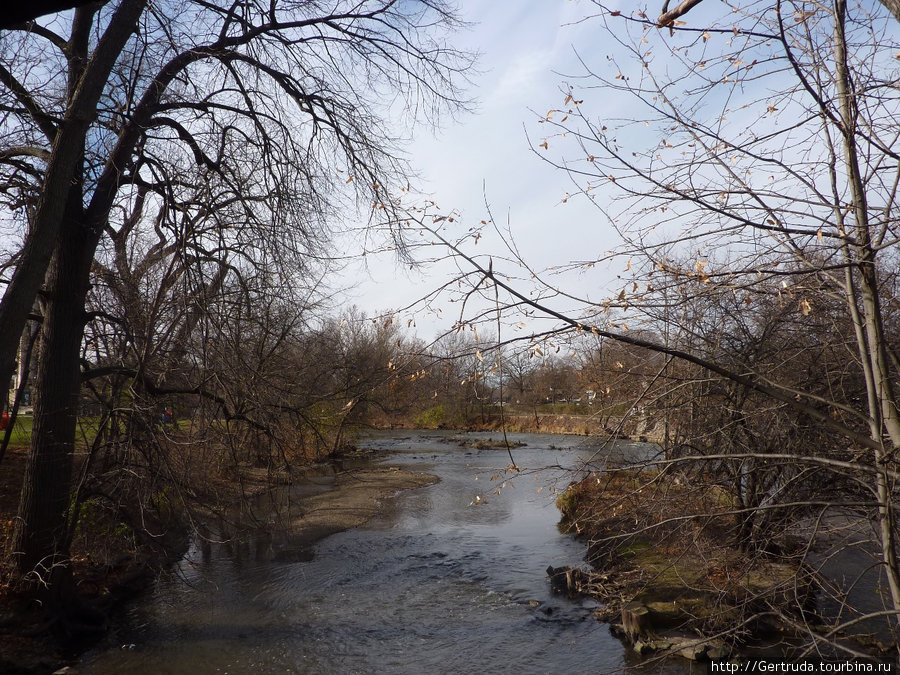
(447,579)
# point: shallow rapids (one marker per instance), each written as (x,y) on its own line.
(448,578)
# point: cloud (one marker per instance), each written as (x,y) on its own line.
(485,156)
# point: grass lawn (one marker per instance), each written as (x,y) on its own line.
(21,434)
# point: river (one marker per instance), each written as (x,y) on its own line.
(448,578)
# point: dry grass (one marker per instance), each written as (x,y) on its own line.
(668,542)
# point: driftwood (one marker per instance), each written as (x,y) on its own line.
(693,649)
(569,580)
(574,581)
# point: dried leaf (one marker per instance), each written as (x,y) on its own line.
(701,272)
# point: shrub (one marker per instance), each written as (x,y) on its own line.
(432,418)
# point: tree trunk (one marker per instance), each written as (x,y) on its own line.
(871,343)
(41,537)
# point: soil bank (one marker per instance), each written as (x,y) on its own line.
(356,497)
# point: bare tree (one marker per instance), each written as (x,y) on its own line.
(669,17)
(753,194)
(21,13)
(277,110)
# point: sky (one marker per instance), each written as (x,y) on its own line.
(527,48)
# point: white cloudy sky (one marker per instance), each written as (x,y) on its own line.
(527,48)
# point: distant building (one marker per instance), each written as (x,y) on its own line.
(23,368)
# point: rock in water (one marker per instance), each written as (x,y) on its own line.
(636,620)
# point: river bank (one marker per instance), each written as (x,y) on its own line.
(110,569)
(667,563)
(635,428)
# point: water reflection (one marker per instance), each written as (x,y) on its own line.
(437,582)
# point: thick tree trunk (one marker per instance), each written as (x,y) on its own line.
(68,142)
(41,537)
